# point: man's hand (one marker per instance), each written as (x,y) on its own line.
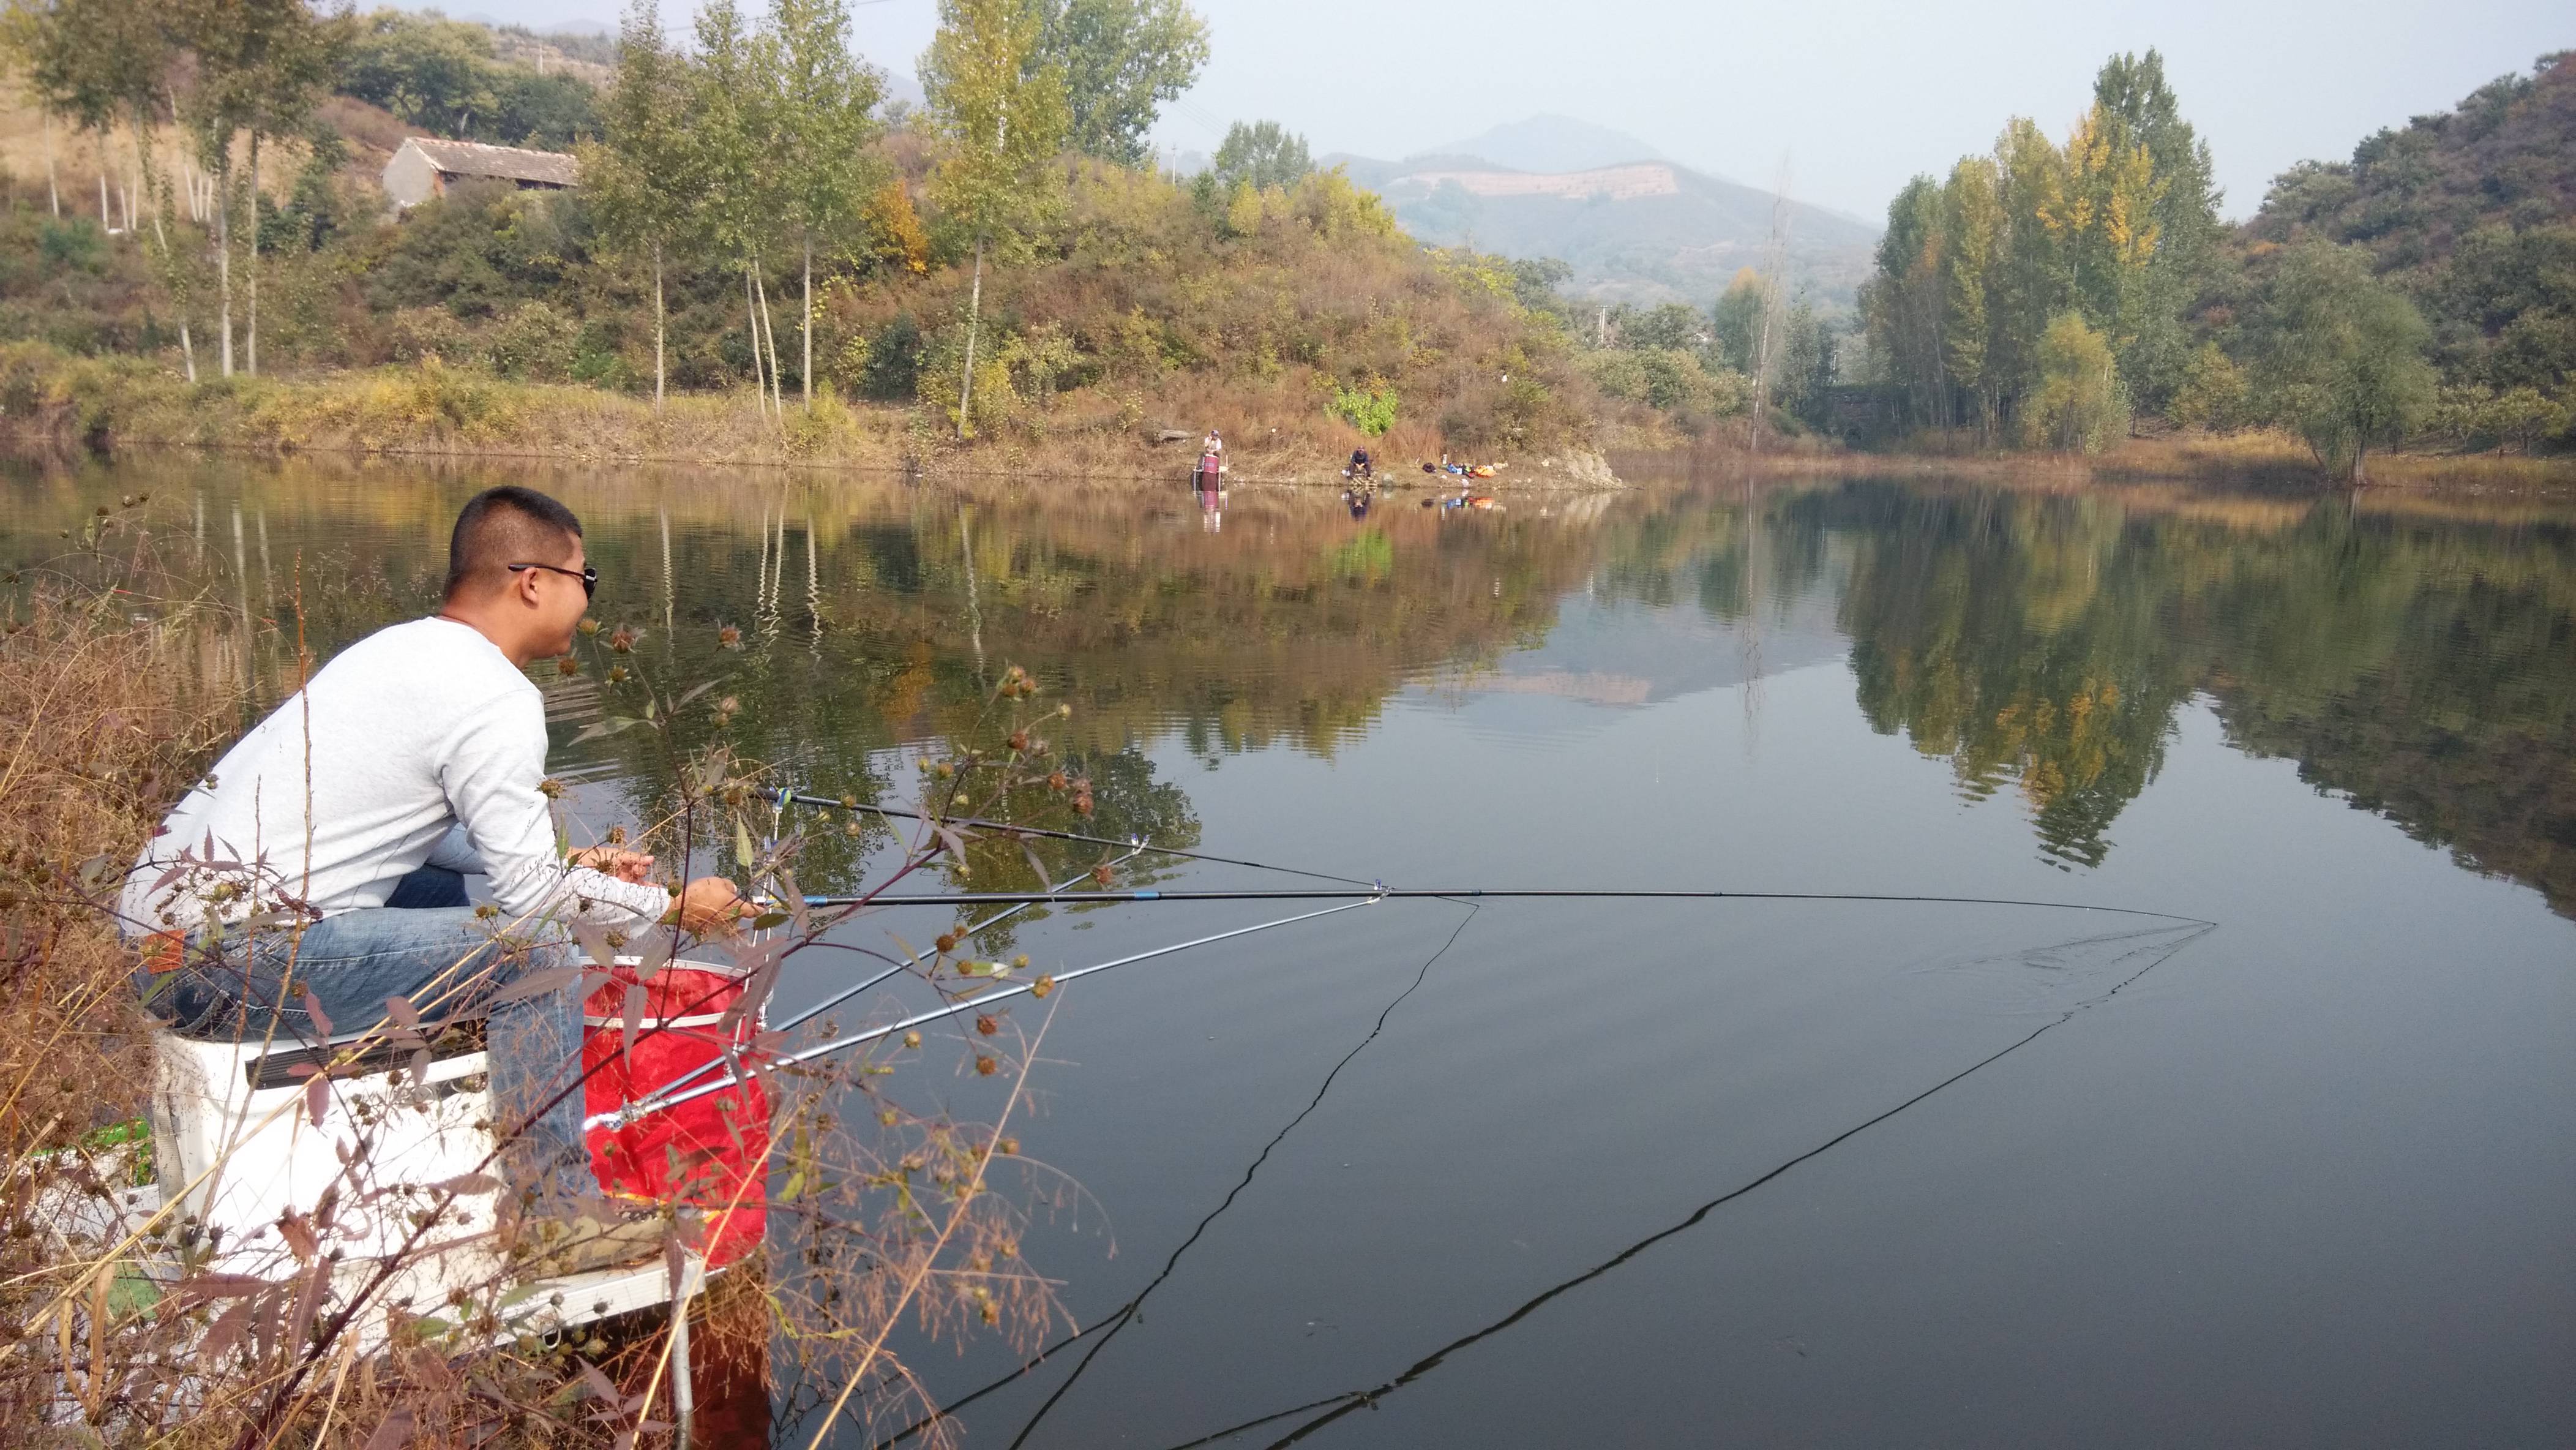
(707,904)
(617,861)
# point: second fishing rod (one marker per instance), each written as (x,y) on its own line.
(1458,893)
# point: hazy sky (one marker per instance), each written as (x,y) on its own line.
(1859,94)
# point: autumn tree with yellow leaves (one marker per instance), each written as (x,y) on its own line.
(2113,227)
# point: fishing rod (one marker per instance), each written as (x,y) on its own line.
(1459,893)
(792,796)
(846,993)
(666,1098)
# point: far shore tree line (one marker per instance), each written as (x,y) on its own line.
(1011,246)
(752,216)
(1755,351)
(2048,295)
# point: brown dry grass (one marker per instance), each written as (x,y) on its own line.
(108,705)
(78,160)
(104,713)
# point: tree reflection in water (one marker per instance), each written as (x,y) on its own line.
(2418,656)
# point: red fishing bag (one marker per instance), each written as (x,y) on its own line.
(711,1152)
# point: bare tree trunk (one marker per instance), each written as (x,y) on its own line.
(152,182)
(751,319)
(224,258)
(974,320)
(53,187)
(769,330)
(657,327)
(253,257)
(807,380)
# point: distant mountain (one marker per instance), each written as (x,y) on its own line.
(1640,229)
(1552,143)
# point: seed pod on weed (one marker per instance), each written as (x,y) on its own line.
(912,1039)
(985,1066)
(985,1024)
(589,627)
(567,666)
(947,941)
(1041,986)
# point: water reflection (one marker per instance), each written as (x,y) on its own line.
(2416,658)
(2424,665)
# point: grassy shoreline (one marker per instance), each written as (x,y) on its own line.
(60,402)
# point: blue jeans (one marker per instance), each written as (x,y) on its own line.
(428,946)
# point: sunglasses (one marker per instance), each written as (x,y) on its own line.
(588,574)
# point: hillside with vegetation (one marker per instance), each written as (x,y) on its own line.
(2471,215)
(2054,295)
(763,259)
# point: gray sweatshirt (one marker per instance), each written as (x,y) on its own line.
(419,745)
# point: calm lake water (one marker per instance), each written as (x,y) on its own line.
(1542,1173)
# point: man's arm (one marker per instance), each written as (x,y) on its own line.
(491,773)
(455,852)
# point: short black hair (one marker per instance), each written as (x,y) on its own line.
(503,526)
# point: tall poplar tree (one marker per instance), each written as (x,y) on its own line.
(733,159)
(257,68)
(102,61)
(1003,118)
(826,110)
(640,177)
(1973,221)
(2130,93)
(1121,60)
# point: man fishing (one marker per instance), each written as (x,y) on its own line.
(319,870)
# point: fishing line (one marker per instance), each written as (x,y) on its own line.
(807,798)
(1359,1399)
(1125,1314)
(1465,893)
(1128,1315)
